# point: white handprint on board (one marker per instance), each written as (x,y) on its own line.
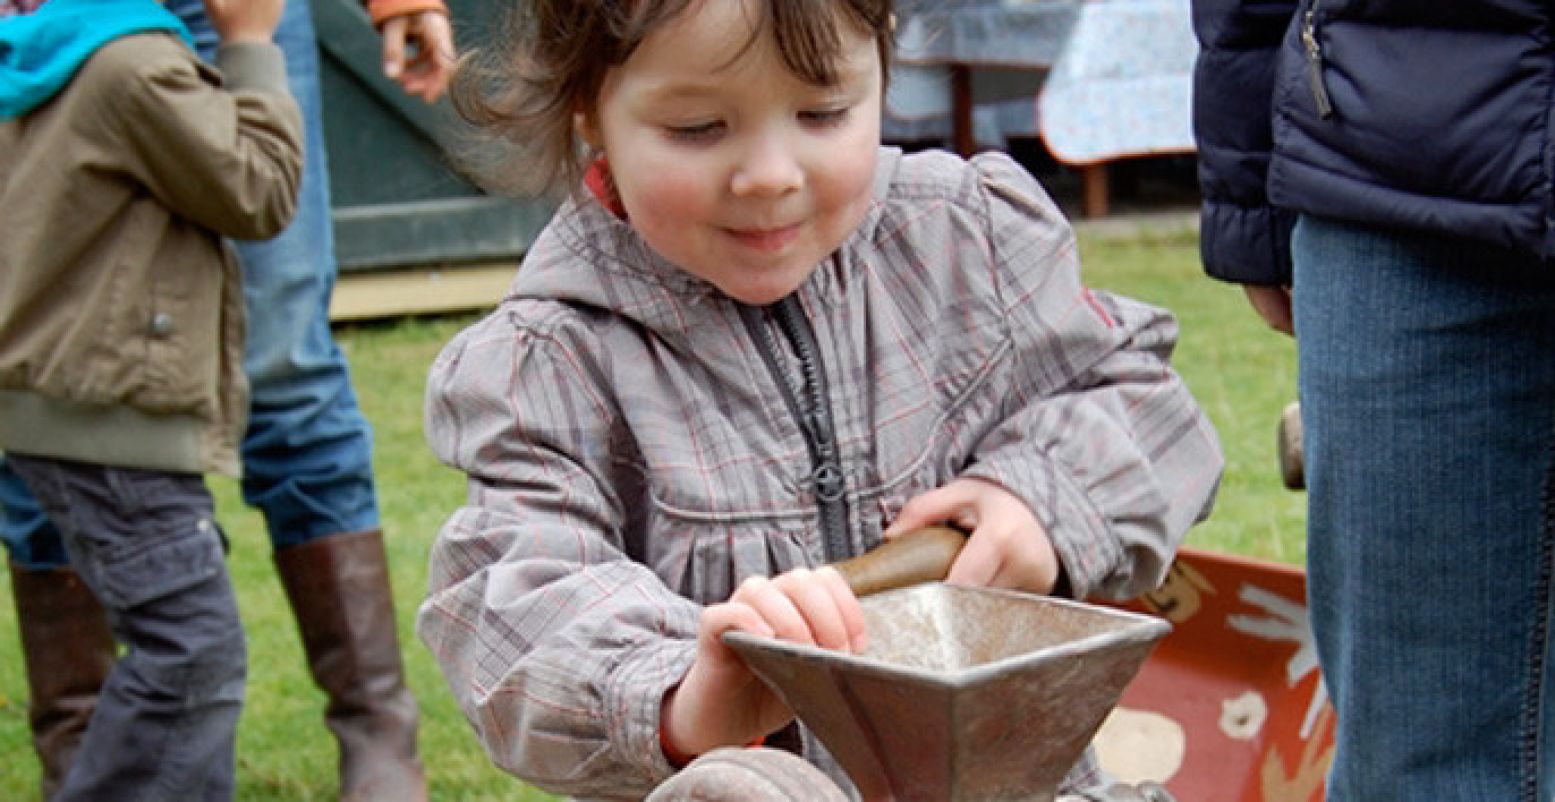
(1286,621)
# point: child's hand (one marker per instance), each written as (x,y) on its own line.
(418,51)
(1008,547)
(720,702)
(244,20)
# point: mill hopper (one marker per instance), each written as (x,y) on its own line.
(963,693)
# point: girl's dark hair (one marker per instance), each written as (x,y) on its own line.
(548,59)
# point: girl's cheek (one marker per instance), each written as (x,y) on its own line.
(848,168)
(669,191)
(848,182)
(668,206)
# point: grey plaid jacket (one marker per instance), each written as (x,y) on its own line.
(630,455)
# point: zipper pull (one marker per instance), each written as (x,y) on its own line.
(1325,107)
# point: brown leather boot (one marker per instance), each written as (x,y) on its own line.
(339,591)
(69,651)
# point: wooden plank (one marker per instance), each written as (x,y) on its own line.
(367,295)
(470,229)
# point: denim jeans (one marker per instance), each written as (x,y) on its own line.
(147,545)
(1427,385)
(307,454)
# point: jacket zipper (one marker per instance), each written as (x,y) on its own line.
(1325,107)
(809,407)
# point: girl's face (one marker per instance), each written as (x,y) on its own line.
(729,165)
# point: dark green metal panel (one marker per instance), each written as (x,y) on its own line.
(397,202)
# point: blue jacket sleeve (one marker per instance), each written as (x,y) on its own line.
(1243,238)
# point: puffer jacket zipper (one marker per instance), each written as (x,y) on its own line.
(1314,49)
(808,404)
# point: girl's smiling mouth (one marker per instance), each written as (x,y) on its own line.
(765,239)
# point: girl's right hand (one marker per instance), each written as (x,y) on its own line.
(720,702)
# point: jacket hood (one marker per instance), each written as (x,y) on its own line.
(588,256)
(41,51)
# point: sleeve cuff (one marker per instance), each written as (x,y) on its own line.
(252,66)
(1246,244)
(637,694)
(383,10)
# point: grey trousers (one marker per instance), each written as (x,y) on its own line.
(147,545)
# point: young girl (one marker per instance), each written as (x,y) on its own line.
(753,343)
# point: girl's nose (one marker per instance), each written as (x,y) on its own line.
(767,167)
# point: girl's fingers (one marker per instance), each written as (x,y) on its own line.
(979,562)
(720,618)
(1006,558)
(949,503)
(814,601)
(776,608)
(857,638)
(805,606)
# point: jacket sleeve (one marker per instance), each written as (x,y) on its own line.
(227,157)
(383,10)
(1101,437)
(1242,238)
(556,644)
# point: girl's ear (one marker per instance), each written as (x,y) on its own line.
(587,129)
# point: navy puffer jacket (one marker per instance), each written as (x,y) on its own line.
(1428,115)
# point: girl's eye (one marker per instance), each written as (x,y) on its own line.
(700,132)
(824,117)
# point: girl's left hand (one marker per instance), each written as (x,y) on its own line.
(720,702)
(1008,547)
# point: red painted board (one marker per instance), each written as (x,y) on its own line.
(1230,706)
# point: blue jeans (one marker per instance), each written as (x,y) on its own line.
(1427,384)
(307,455)
(147,545)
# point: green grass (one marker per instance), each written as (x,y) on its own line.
(1239,369)
(1242,373)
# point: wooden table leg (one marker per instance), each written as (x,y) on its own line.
(1093,190)
(963,137)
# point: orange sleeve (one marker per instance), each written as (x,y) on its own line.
(381,10)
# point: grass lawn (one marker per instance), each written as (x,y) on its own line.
(1242,373)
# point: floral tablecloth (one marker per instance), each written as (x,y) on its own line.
(1103,79)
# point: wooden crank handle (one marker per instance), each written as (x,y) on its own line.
(922,555)
(1292,464)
